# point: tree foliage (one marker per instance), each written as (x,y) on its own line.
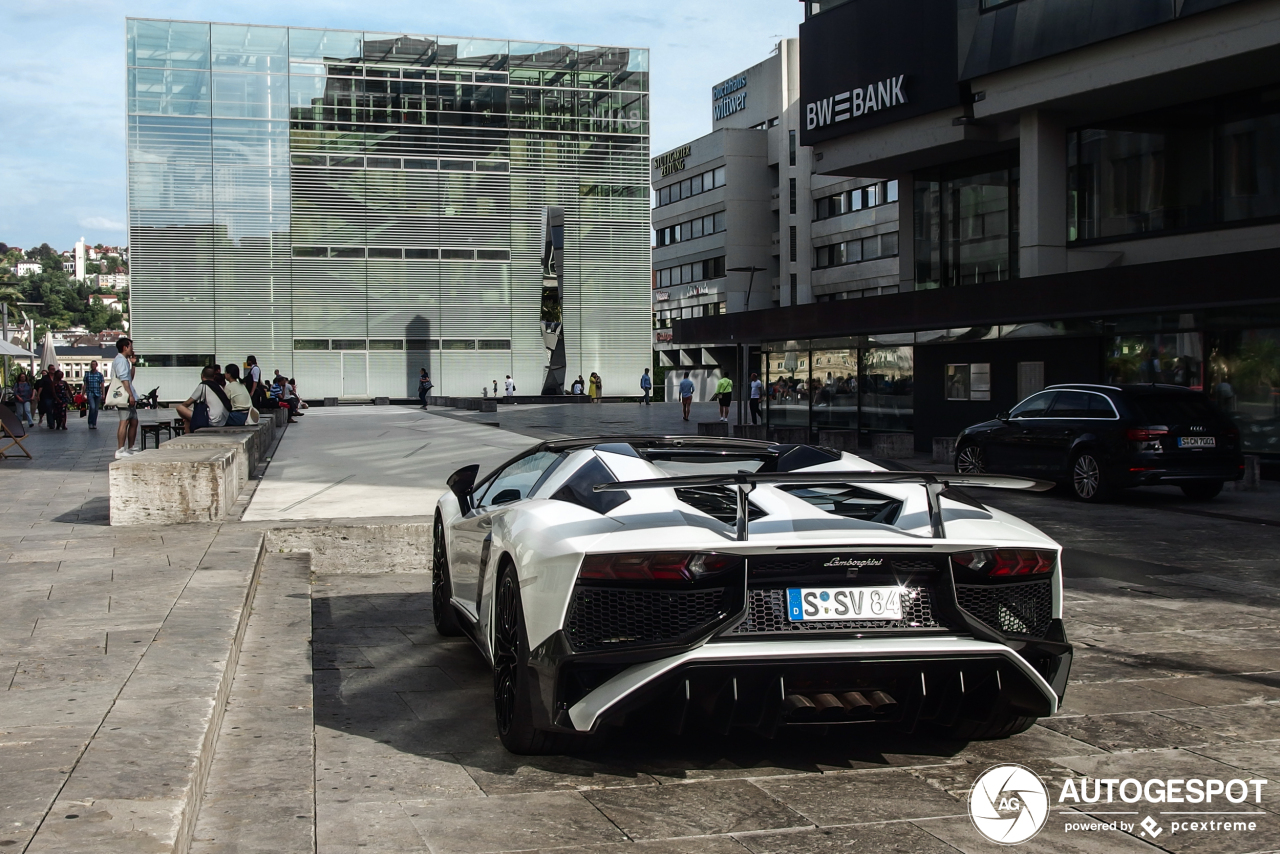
(66,303)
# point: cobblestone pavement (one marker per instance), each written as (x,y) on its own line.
(1176,621)
(553,421)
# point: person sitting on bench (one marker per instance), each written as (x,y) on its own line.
(212,396)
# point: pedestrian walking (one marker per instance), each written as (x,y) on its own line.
(646,386)
(93,383)
(724,393)
(44,397)
(24,392)
(511,387)
(757,391)
(63,399)
(424,386)
(122,372)
(686,395)
(595,387)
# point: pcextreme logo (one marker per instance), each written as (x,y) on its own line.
(1009,804)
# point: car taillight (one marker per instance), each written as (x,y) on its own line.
(1145,434)
(1008,562)
(656,566)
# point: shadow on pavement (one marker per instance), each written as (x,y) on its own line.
(382,673)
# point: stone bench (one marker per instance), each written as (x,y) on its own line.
(171,486)
(713,428)
(261,437)
(243,463)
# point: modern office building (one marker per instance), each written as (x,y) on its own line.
(1093,195)
(349,207)
(746,195)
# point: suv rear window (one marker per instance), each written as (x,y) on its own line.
(1176,408)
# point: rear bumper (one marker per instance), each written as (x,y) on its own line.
(1152,475)
(744,683)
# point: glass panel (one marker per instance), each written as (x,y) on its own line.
(257,49)
(169,92)
(787,378)
(476,53)
(348,344)
(887,395)
(458,344)
(167,44)
(386,344)
(494,344)
(1245,383)
(251,96)
(1250,157)
(311,343)
(324,46)
(1175,359)
(835,388)
(979,215)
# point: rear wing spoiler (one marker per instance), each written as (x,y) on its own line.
(933,482)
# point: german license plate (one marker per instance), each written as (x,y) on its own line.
(806,604)
(1197,442)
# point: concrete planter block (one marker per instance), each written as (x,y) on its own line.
(840,440)
(790,435)
(261,436)
(170,487)
(749,431)
(280,416)
(893,446)
(242,462)
(382,401)
(713,428)
(330,401)
(944,449)
(488,406)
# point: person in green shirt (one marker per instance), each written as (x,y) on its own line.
(724,393)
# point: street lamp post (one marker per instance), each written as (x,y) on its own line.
(745,357)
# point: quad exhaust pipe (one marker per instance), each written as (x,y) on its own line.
(835,708)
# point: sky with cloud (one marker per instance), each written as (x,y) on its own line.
(62,79)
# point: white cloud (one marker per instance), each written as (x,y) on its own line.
(101,223)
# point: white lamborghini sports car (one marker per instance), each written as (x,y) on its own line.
(723,583)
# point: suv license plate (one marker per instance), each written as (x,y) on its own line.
(1197,442)
(806,604)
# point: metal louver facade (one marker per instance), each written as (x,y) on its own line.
(351,207)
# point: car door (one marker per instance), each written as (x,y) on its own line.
(1008,446)
(472,535)
(1049,448)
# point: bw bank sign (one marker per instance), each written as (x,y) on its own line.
(855,102)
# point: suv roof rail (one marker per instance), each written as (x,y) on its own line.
(1084,385)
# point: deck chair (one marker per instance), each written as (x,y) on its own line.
(12,432)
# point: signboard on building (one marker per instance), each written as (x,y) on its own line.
(873,62)
(672,161)
(729,97)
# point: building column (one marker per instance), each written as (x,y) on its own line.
(1042,194)
(906,233)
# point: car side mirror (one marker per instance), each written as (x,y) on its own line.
(461,482)
(1003,416)
(506,496)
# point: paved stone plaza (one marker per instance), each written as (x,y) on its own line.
(350,725)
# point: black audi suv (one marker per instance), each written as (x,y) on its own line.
(1099,438)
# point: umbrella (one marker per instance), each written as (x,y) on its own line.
(49,355)
(7,349)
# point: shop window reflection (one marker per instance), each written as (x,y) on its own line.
(834,390)
(1244,381)
(887,394)
(788,387)
(1169,358)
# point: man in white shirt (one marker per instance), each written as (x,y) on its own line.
(210,394)
(757,390)
(122,371)
(511,386)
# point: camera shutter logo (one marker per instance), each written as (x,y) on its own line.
(1009,804)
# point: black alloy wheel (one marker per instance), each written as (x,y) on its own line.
(970,460)
(506,654)
(511,686)
(442,613)
(1089,481)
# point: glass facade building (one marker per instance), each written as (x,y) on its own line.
(350,207)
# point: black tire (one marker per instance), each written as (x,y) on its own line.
(1001,726)
(1202,491)
(970,460)
(1089,479)
(442,613)
(511,678)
